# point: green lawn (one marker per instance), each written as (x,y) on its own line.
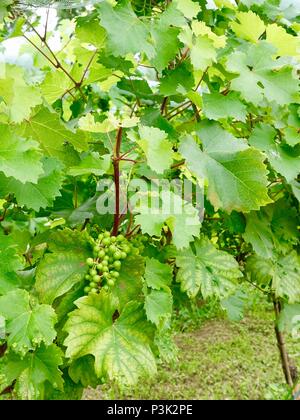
(218,359)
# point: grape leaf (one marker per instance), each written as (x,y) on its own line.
(289,318)
(157,275)
(258,232)
(28,325)
(66,266)
(156,147)
(52,134)
(158,306)
(125,32)
(283,273)
(260,76)
(32,372)
(237,176)
(283,159)
(13,87)
(208,270)
(39,195)
(121,346)
(235,305)
(181,217)
(19,158)
(217,106)
(10,264)
(92,164)
(128,285)
(249,26)
(82,371)
(285,43)
(54,86)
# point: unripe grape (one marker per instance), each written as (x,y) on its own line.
(113,239)
(113,248)
(97,249)
(96,278)
(120,238)
(110,282)
(117,265)
(106,258)
(123,255)
(105,269)
(99,267)
(93,272)
(111,260)
(93,284)
(105,263)
(87,289)
(94,290)
(101,254)
(90,262)
(114,274)
(106,288)
(126,248)
(87,277)
(106,241)
(106,234)
(117,255)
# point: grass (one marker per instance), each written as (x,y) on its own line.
(217,359)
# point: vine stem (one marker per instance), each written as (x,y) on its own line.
(116,165)
(281,345)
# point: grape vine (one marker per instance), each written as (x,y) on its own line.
(149,155)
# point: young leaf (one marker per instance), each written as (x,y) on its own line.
(121,346)
(208,270)
(27,324)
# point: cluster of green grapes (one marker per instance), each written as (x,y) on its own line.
(109,252)
(138,243)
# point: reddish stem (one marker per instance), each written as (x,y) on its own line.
(116,164)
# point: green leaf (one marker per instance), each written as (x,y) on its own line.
(157,275)
(166,43)
(236,174)
(19,158)
(260,76)
(217,106)
(289,318)
(286,44)
(158,306)
(156,147)
(235,305)
(283,159)
(258,232)
(10,264)
(283,273)
(13,87)
(180,216)
(66,266)
(178,80)
(208,270)
(39,195)
(249,26)
(82,371)
(188,8)
(128,285)
(52,134)
(121,346)
(55,85)
(32,372)
(125,32)
(92,164)
(88,31)
(27,324)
